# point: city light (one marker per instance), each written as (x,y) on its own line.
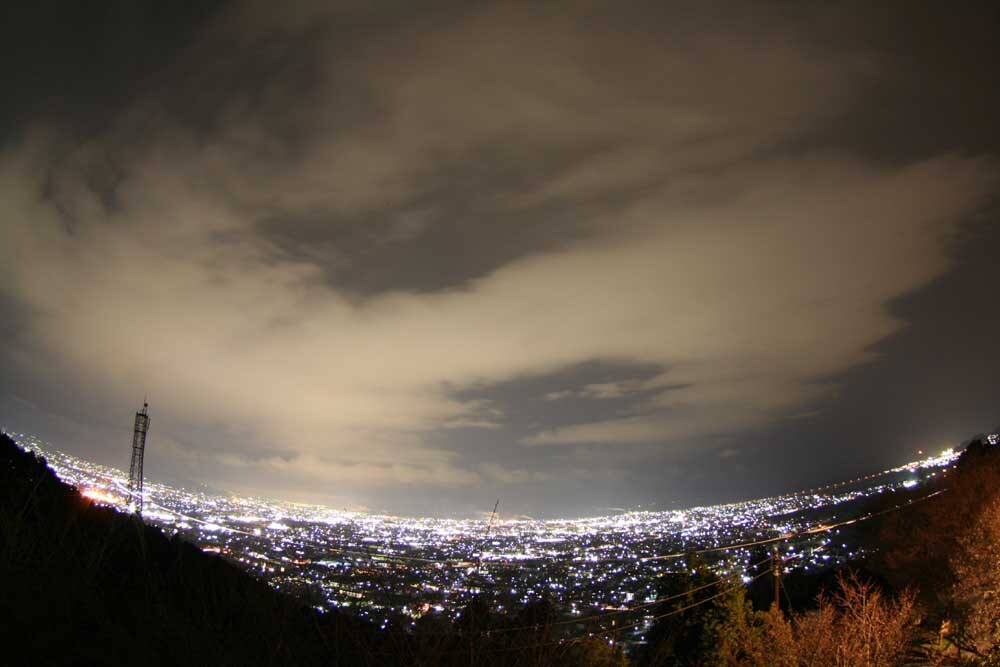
(434,566)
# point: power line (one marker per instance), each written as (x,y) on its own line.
(822,528)
(659,601)
(681,610)
(673,612)
(618,612)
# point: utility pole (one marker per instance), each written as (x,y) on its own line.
(493,516)
(138,452)
(486,535)
(479,574)
(776,572)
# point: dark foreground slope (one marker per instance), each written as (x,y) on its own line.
(86,585)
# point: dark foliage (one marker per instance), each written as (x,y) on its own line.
(918,544)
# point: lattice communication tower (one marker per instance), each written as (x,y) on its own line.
(138,449)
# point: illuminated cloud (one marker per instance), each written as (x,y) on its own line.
(343,260)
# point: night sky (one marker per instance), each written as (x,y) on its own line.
(412,257)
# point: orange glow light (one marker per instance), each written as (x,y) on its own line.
(100,496)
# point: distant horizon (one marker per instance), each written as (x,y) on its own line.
(927,461)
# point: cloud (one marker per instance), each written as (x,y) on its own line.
(608,390)
(747,278)
(498,473)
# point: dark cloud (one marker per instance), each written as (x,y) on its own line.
(77,64)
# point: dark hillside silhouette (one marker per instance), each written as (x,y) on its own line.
(86,585)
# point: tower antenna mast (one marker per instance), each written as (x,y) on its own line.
(138,450)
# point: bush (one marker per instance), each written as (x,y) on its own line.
(976,591)
(858,626)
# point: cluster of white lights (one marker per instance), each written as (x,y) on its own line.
(589,563)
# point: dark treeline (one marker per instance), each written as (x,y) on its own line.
(84,584)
